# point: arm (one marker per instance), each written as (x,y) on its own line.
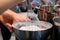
(5,4)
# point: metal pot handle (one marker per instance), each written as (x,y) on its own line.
(56,17)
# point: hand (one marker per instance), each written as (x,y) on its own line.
(20,17)
(8,19)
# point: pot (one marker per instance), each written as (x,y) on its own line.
(56,21)
(57,10)
(45,13)
(32,30)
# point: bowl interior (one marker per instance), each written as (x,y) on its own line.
(32,26)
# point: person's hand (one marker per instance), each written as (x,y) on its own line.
(20,17)
(7,19)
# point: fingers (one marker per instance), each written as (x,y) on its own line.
(24,18)
(27,19)
(9,26)
(20,17)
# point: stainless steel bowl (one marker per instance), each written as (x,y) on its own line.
(39,34)
(56,21)
(57,27)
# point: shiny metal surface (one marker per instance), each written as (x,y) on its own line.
(56,21)
(32,35)
(57,32)
(1,35)
(45,13)
(57,10)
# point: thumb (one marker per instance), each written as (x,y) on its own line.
(9,26)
